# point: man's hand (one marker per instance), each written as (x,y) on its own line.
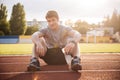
(36,40)
(40,49)
(69,47)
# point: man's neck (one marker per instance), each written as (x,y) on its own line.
(56,28)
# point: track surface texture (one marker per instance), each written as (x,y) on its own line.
(94,67)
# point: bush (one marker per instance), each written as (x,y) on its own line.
(31,30)
(1,33)
(4,27)
(82,41)
(107,41)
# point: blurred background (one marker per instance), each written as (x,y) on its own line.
(97,20)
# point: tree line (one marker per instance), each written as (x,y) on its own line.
(17,23)
(108,22)
(113,21)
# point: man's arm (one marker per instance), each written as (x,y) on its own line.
(36,40)
(75,36)
(72,41)
(36,37)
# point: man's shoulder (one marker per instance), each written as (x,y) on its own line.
(65,30)
(65,27)
(43,30)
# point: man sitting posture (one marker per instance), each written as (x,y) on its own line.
(51,40)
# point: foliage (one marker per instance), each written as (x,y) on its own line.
(81,27)
(17,20)
(4,25)
(31,29)
(113,21)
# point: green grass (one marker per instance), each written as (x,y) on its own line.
(15,49)
(98,48)
(85,48)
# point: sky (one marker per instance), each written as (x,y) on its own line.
(92,11)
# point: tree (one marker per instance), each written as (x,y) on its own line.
(17,20)
(31,29)
(113,21)
(4,25)
(81,27)
(69,23)
(106,22)
(119,22)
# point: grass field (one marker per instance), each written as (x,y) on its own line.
(85,48)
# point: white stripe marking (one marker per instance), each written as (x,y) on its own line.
(61,71)
(81,62)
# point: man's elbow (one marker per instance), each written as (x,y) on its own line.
(80,36)
(34,36)
(77,36)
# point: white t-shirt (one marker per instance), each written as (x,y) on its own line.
(56,38)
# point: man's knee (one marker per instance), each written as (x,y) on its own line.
(76,50)
(42,41)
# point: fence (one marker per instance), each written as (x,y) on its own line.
(27,39)
(9,39)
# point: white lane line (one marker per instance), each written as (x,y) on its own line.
(99,61)
(111,70)
(59,71)
(94,58)
(86,54)
(81,62)
(82,55)
(15,63)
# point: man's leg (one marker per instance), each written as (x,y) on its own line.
(75,60)
(76,51)
(54,56)
(34,63)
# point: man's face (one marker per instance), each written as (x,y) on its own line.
(52,22)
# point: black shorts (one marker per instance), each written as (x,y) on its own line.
(54,56)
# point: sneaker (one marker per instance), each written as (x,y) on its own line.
(75,64)
(34,65)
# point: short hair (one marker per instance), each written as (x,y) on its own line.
(52,13)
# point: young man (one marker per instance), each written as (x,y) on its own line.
(50,42)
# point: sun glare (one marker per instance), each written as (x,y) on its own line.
(92,3)
(35,77)
(91,7)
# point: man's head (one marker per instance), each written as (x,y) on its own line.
(52,19)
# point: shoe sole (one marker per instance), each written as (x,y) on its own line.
(33,68)
(76,67)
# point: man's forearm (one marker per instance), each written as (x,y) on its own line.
(35,38)
(75,37)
